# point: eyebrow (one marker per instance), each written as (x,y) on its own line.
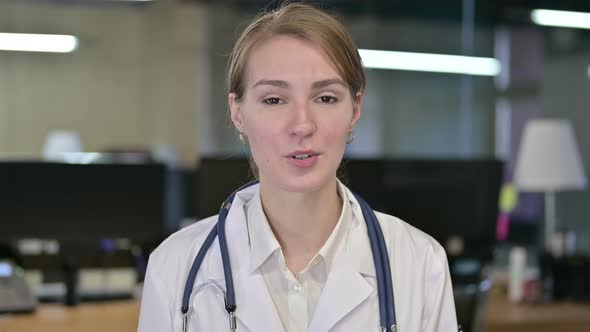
(328,82)
(277,83)
(314,85)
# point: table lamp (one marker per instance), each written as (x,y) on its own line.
(548,161)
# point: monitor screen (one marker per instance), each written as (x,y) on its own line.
(448,199)
(217,178)
(365,177)
(444,198)
(77,203)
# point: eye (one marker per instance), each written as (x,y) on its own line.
(328,99)
(272,101)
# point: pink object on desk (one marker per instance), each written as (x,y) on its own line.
(502,226)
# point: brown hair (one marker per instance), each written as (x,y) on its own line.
(302,21)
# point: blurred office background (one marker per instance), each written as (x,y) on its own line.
(140,104)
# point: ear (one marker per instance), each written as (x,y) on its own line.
(235,112)
(356,109)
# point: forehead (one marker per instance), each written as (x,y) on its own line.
(289,58)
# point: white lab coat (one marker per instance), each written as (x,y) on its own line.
(348,303)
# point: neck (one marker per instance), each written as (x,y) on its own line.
(301,222)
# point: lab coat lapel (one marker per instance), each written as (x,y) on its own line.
(346,287)
(344,290)
(255,308)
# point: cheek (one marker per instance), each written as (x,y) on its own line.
(264,139)
(336,129)
(263,133)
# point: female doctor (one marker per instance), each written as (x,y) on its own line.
(298,244)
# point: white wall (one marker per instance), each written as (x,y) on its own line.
(133,82)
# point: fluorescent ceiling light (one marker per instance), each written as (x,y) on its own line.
(560,18)
(28,42)
(438,63)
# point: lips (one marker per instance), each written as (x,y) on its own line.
(303,160)
(302,155)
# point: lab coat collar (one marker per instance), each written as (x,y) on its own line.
(237,237)
(263,242)
(253,300)
(358,250)
(252,296)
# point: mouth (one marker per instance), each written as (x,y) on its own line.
(303,155)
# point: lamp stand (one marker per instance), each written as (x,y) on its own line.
(550,219)
(547,257)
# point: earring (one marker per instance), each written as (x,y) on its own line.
(243,139)
(350,137)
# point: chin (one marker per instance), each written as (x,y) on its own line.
(306,183)
(285,178)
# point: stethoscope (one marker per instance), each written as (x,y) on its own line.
(378,248)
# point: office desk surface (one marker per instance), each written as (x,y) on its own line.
(118,316)
(504,316)
(122,316)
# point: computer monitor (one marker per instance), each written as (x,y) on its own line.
(448,199)
(217,178)
(80,204)
(365,177)
(444,198)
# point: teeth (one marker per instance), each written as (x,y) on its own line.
(302,156)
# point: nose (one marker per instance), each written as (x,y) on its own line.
(303,124)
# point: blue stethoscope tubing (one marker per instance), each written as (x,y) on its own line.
(378,248)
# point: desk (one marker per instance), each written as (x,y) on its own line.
(121,316)
(118,316)
(503,316)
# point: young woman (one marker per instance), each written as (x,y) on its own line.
(298,242)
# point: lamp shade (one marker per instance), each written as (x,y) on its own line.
(548,158)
